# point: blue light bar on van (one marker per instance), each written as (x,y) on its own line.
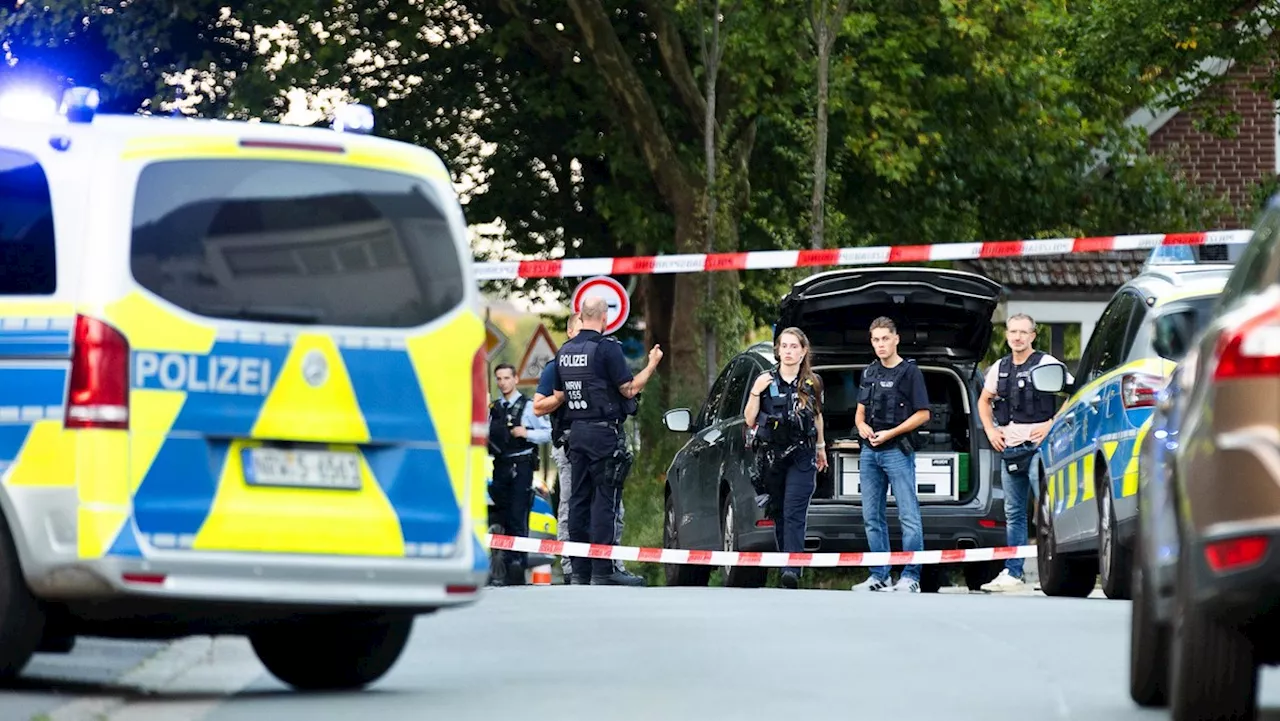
(27,104)
(353,118)
(80,104)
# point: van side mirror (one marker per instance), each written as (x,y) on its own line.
(678,420)
(1049,377)
(1172,337)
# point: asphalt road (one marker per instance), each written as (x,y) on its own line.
(618,653)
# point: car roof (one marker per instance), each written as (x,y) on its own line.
(125,128)
(1163,284)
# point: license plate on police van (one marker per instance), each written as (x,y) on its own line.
(333,470)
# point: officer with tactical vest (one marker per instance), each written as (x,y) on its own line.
(785,410)
(1016,418)
(514,435)
(598,391)
(892,402)
(545,403)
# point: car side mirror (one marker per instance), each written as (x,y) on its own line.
(1172,335)
(678,420)
(1049,377)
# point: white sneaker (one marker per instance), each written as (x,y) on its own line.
(906,585)
(1004,583)
(872,584)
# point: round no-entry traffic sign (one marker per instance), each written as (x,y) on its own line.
(614,294)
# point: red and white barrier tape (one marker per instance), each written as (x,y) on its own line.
(768,559)
(873,255)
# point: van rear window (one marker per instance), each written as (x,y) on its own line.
(295,243)
(28,256)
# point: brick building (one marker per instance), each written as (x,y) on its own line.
(1068,292)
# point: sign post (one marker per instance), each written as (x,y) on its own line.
(602,286)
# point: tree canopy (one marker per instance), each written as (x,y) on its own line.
(579,124)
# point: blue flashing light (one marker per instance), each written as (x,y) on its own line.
(353,118)
(27,104)
(80,104)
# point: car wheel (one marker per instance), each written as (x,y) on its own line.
(1215,669)
(1059,574)
(679,574)
(737,576)
(1115,562)
(1148,645)
(22,620)
(337,654)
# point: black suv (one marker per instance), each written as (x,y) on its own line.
(944,322)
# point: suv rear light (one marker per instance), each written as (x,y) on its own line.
(479,399)
(1250,350)
(98,395)
(1138,390)
(1235,554)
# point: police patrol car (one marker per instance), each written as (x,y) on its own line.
(1087,505)
(242,388)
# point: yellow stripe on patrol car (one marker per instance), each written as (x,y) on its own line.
(155,412)
(148,325)
(288,520)
(47,458)
(359,153)
(326,412)
(1073,485)
(438,359)
(1088,475)
(102,464)
(1129,486)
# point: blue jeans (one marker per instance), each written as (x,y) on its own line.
(880,469)
(1016,487)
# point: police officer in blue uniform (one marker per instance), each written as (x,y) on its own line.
(892,403)
(598,391)
(1016,417)
(514,435)
(785,410)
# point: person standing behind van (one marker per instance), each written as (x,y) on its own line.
(785,408)
(891,403)
(514,436)
(1016,418)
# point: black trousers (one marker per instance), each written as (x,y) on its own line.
(512,494)
(594,499)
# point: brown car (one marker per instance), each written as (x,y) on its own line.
(1207,602)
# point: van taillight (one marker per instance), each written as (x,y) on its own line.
(98,396)
(1250,350)
(480,399)
(1138,390)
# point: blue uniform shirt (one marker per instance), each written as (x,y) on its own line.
(539,428)
(547,381)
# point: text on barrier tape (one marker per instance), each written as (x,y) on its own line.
(743,558)
(870,255)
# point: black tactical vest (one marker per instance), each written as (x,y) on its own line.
(1017,400)
(890,400)
(501,421)
(587,396)
(782,422)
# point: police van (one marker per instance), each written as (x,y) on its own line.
(242,388)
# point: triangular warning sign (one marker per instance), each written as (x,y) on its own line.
(540,351)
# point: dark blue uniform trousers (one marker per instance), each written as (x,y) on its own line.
(512,494)
(802,481)
(593,501)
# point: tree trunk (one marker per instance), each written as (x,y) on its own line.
(712,61)
(818,205)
